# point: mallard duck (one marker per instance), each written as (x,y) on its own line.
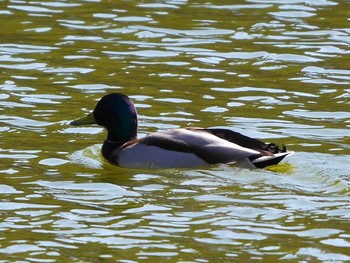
(173,148)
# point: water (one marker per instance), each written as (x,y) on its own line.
(274,70)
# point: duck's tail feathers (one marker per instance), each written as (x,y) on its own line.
(265,161)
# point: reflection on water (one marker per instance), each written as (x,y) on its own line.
(275,71)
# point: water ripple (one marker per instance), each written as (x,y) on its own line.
(34,9)
(24,49)
(30,124)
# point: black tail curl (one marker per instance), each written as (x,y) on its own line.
(274,148)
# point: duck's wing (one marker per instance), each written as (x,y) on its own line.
(207,146)
(242,140)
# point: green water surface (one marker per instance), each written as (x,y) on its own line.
(274,70)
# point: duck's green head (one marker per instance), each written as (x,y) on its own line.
(117,114)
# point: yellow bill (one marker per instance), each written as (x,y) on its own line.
(89,119)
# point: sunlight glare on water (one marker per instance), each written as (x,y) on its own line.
(273,70)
